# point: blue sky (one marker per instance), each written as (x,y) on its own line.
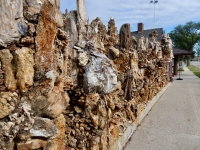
(169,13)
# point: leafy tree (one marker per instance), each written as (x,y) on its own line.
(186,36)
(197,49)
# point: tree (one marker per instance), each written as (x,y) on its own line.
(186,36)
(197,49)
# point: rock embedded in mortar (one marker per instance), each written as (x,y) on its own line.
(82,44)
(115,52)
(57,143)
(50,104)
(8,102)
(125,36)
(45,34)
(99,74)
(27,40)
(18,124)
(34,6)
(83,59)
(6,59)
(25,68)
(32,144)
(44,127)
(12,24)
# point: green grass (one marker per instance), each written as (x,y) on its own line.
(195,70)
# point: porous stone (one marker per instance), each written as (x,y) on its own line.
(8,102)
(27,40)
(6,59)
(25,68)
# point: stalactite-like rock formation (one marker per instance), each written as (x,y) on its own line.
(66,83)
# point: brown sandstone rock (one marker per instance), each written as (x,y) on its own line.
(8,102)
(32,145)
(58,142)
(25,71)
(6,59)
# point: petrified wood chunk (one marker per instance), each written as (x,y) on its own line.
(125,36)
(46,33)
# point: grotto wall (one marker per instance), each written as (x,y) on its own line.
(68,83)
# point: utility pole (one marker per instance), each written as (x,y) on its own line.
(154,2)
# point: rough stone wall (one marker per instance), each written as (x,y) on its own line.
(33,75)
(66,83)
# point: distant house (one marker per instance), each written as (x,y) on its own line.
(196,58)
(141,32)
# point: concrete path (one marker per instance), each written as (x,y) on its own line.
(174,121)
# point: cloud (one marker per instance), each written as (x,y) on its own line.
(169,13)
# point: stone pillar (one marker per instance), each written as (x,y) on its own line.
(71,27)
(66,12)
(125,35)
(175,66)
(80,4)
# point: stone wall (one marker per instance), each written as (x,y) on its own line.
(68,83)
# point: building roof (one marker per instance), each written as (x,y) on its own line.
(196,58)
(145,33)
(178,52)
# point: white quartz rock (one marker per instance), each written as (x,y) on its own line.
(99,74)
(44,127)
(83,59)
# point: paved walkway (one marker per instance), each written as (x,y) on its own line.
(174,121)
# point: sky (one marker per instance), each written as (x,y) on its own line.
(168,13)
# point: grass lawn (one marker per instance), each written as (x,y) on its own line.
(195,70)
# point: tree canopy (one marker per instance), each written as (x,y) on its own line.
(186,36)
